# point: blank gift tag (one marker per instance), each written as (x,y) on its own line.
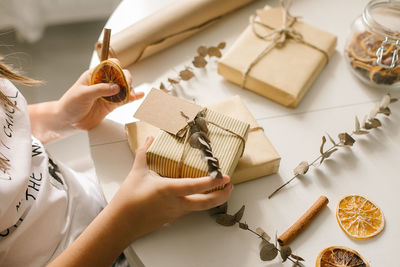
(165,111)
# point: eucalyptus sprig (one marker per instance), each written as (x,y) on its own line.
(368,123)
(199,61)
(268,250)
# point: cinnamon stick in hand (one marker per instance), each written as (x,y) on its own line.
(105,47)
(302,223)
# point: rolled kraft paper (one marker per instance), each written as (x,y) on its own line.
(303,222)
(167,27)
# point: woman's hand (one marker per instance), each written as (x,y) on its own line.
(144,202)
(151,200)
(81,106)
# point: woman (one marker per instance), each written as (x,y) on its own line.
(51,215)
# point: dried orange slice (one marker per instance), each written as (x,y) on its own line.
(359,218)
(109,72)
(340,257)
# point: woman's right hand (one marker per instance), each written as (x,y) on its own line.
(147,201)
(144,202)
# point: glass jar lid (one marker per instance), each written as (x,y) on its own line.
(383,18)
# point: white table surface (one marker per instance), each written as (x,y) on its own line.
(370,168)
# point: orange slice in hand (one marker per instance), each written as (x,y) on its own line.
(359,218)
(109,72)
(340,257)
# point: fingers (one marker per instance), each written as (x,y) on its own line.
(190,186)
(140,155)
(102,89)
(128,77)
(198,202)
(135,96)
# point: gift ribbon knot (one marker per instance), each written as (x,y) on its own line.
(278,36)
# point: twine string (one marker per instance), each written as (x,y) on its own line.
(278,36)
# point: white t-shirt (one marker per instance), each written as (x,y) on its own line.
(44,205)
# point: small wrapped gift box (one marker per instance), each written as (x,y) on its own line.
(277,60)
(259,158)
(172,155)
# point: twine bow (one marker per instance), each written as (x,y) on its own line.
(278,36)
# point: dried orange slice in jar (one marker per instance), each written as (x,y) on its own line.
(340,257)
(359,218)
(109,72)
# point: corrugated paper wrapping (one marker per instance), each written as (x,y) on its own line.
(166,27)
(259,158)
(166,151)
(284,74)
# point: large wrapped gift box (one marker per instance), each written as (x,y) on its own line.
(259,157)
(285,72)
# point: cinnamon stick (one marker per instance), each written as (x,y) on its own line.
(302,223)
(106,44)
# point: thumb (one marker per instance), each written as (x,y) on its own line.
(140,155)
(102,89)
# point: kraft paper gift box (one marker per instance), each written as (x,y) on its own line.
(285,72)
(259,158)
(227,136)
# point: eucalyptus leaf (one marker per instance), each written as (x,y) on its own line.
(194,140)
(204,142)
(186,74)
(214,52)
(374,112)
(346,139)
(214,174)
(221,45)
(221,209)
(321,149)
(262,233)
(375,123)
(243,226)
(356,125)
(210,159)
(364,122)
(194,129)
(162,87)
(239,214)
(225,220)
(201,122)
(331,139)
(202,50)
(298,258)
(268,252)
(386,111)
(199,62)
(385,101)
(327,154)
(173,80)
(301,169)
(285,252)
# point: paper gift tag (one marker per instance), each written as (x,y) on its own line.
(165,111)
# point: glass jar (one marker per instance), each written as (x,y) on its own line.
(373,47)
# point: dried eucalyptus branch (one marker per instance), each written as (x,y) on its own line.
(268,250)
(198,139)
(369,122)
(199,61)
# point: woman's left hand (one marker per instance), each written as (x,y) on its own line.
(82,107)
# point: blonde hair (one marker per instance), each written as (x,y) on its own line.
(12,75)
